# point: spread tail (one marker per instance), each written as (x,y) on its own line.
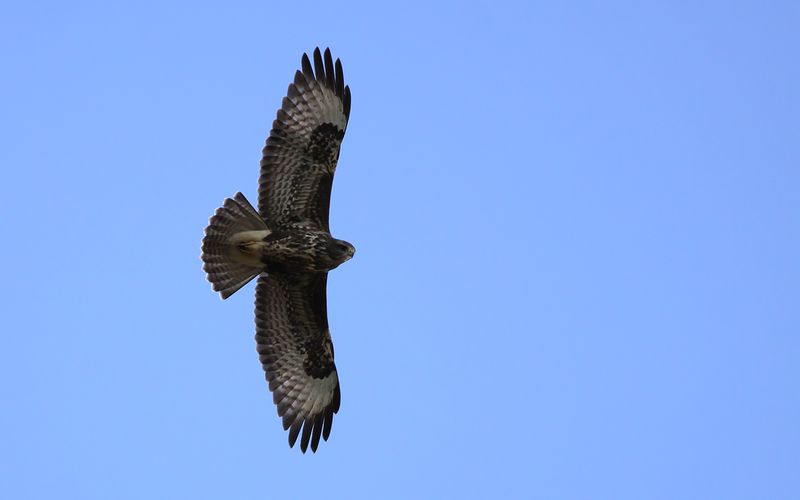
(232,245)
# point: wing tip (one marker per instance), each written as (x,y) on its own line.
(319,68)
(325,69)
(310,428)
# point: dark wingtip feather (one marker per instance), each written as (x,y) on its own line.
(337,399)
(319,67)
(287,420)
(330,73)
(339,89)
(300,79)
(317,431)
(326,431)
(294,432)
(306,64)
(346,102)
(308,425)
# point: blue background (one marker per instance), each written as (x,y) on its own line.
(577,268)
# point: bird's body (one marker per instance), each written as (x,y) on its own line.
(287,243)
(301,249)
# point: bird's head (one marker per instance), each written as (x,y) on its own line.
(340,251)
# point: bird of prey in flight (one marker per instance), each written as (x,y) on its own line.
(287,243)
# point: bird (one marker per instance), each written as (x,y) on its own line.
(287,243)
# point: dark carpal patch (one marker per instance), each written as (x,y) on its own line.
(323,145)
(318,363)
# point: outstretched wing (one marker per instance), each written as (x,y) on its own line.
(300,155)
(296,352)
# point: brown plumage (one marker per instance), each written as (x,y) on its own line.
(287,243)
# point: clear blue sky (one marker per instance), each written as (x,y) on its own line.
(578,266)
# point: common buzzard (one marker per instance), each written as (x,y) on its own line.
(288,245)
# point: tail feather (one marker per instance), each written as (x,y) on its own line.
(230,249)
